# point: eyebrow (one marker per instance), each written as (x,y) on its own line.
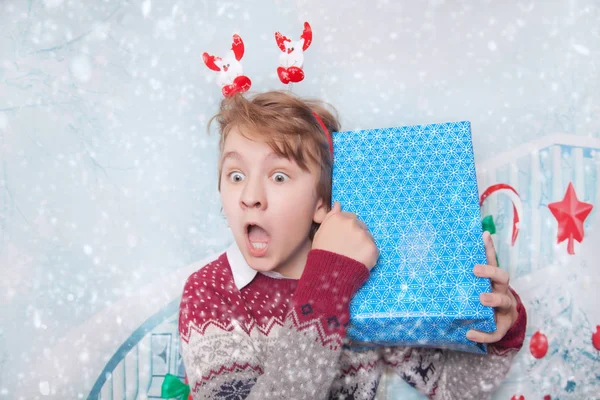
(231,154)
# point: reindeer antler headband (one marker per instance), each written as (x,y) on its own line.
(231,74)
(291,65)
(232,79)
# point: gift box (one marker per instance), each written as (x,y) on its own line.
(415,187)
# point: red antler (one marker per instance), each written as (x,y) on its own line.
(237,47)
(307,36)
(280,39)
(210,61)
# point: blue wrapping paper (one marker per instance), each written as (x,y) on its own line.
(415,188)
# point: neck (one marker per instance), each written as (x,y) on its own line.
(294,265)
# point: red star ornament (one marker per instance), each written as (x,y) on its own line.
(570,214)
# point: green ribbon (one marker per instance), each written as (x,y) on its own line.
(172,387)
(488,224)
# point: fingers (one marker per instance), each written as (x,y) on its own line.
(500,301)
(337,207)
(482,337)
(365,228)
(362,225)
(490,250)
(499,277)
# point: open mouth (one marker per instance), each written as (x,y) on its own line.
(258,239)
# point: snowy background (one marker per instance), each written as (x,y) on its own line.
(108,178)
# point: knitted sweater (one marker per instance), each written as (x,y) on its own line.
(285,339)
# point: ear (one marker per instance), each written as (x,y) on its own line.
(321,211)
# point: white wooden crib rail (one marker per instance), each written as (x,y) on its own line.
(540,171)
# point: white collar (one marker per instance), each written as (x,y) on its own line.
(242,272)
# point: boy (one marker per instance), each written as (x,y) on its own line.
(267,318)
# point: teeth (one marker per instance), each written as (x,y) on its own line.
(259,245)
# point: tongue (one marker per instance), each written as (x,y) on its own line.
(257,234)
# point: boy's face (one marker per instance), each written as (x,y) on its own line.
(270,204)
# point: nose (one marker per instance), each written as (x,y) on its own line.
(253,195)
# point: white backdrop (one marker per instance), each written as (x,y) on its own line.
(107,176)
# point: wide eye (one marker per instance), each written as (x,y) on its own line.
(280,177)
(236,177)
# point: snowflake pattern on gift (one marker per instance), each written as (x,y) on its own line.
(415,187)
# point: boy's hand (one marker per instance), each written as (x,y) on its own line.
(501,298)
(343,233)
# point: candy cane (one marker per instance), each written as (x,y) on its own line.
(516,202)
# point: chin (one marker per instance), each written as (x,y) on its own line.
(260,265)
(262,268)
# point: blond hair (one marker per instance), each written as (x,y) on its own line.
(287,124)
